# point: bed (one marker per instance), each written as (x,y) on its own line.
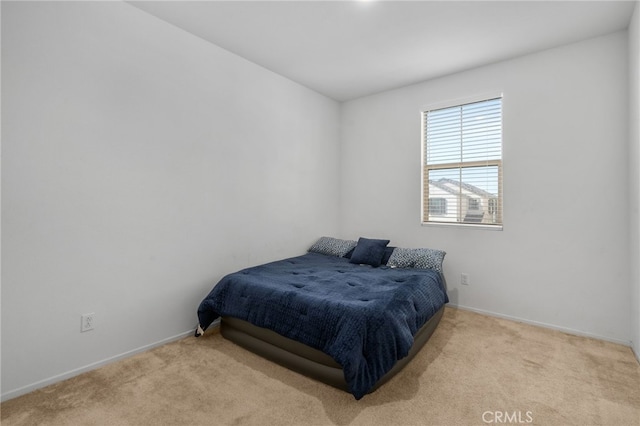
(350,314)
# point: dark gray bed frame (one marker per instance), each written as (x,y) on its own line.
(303,359)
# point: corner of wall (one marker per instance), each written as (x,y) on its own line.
(634,174)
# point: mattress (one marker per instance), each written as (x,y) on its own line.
(308,361)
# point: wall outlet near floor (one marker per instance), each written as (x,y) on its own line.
(464,278)
(86,322)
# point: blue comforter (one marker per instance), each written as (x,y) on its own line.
(363,317)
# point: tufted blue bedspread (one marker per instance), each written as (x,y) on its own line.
(363,317)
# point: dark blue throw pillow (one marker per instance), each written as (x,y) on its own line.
(369,252)
(388,251)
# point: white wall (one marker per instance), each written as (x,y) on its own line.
(140,164)
(562,258)
(634,175)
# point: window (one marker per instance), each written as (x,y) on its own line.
(438,206)
(462,164)
(474,204)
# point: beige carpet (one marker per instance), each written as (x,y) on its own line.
(475,370)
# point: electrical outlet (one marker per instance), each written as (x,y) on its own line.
(464,278)
(86,323)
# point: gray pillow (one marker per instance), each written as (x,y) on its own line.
(423,258)
(333,246)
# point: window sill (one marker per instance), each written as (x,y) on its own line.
(483,226)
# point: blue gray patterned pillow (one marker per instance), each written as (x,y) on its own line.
(422,258)
(333,246)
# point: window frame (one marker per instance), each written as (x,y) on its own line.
(491,202)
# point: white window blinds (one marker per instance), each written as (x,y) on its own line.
(462,164)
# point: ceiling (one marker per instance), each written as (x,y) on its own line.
(350,49)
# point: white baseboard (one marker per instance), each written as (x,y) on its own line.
(636,352)
(545,325)
(60,377)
